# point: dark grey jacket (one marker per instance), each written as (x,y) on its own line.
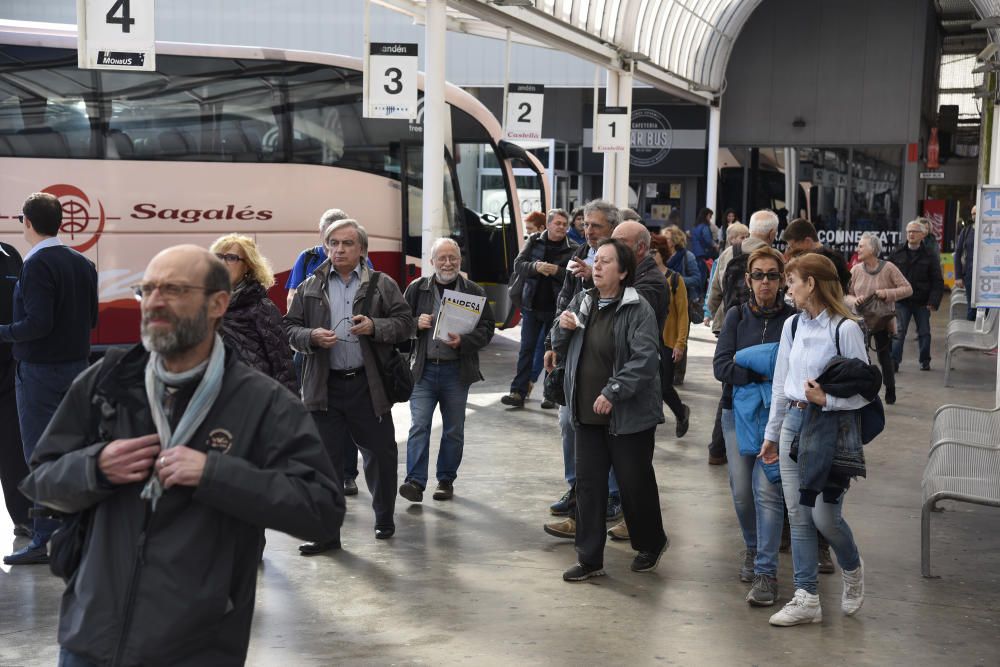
(420,297)
(634,386)
(651,285)
(310,310)
(534,251)
(176,587)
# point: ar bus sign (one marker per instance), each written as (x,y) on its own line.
(116,34)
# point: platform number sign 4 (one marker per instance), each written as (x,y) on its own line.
(124,18)
(391,81)
(116,34)
(614,130)
(523,114)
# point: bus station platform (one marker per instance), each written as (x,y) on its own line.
(476,581)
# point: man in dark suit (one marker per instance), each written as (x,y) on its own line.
(13,468)
(55,307)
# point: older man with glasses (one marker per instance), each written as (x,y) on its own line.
(443,370)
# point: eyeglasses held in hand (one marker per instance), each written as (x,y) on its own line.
(345,326)
(773,276)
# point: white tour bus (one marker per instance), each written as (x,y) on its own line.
(227,139)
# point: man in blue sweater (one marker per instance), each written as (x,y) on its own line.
(55,307)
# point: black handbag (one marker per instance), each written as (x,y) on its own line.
(553,388)
(397,378)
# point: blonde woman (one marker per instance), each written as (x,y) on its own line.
(824,328)
(252,324)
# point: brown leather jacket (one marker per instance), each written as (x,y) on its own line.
(310,309)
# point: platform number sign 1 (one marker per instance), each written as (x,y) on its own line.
(116,34)
(523,115)
(614,130)
(391,81)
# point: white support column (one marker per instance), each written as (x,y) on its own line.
(712,171)
(432,212)
(610,163)
(622,160)
(994,177)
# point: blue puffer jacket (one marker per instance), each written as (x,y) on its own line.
(752,403)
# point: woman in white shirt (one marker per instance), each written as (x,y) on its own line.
(813,285)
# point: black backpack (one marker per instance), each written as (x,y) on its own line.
(734,285)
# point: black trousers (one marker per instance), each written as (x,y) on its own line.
(883,349)
(13,468)
(670,396)
(717,447)
(632,457)
(350,417)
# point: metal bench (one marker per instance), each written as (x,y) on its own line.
(959,304)
(984,324)
(969,340)
(965,424)
(961,472)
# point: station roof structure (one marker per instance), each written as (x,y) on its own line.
(680,46)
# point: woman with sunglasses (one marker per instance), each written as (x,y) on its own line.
(252,324)
(758,500)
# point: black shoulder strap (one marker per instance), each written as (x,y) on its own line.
(836,335)
(737,250)
(366,307)
(674,278)
(795,325)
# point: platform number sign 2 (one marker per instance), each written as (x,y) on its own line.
(116,34)
(614,130)
(523,114)
(390,88)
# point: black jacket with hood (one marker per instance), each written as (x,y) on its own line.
(176,586)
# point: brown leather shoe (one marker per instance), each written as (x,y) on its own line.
(619,533)
(565,529)
(717,460)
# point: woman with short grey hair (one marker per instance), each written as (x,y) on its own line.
(876,280)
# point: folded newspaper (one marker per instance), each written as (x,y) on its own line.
(459,314)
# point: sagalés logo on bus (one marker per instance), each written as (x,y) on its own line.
(83,222)
(79,218)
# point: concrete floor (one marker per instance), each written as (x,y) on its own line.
(476,581)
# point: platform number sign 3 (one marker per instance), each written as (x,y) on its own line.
(116,34)
(614,130)
(391,83)
(523,115)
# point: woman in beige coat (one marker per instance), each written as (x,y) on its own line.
(874,278)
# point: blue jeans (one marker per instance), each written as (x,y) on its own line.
(759,506)
(804,521)
(534,327)
(922,316)
(569,450)
(39,389)
(439,384)
(70,659)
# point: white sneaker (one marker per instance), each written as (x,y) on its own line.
(854,590)
(803,608)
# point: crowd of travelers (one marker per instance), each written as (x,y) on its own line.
(230,417)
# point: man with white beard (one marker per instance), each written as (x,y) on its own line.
(442,373)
